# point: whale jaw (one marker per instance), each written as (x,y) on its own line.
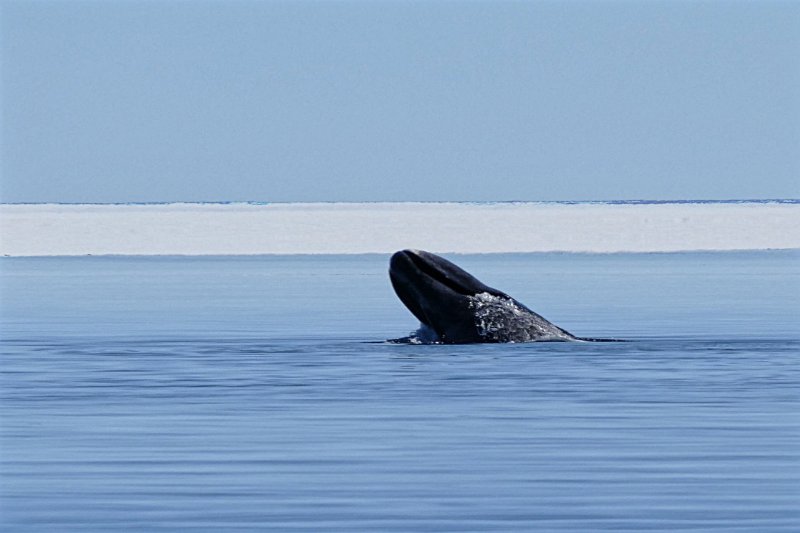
(437,293)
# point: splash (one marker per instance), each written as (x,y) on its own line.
(502,319)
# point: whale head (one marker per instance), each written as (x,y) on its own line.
(458,308)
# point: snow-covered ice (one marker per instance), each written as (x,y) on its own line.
(352,228)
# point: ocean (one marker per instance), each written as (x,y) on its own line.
(256,393)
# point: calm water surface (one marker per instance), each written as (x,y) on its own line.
(221,394)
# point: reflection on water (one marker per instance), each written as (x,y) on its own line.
(123,409)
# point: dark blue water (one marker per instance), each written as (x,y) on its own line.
(225,394)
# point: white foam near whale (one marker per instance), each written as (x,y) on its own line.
(353,228)
(497,317)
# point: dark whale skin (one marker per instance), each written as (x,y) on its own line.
(454,307)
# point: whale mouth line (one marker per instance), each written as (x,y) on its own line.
(437,292)
(427,268)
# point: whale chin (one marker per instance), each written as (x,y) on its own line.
(453,307)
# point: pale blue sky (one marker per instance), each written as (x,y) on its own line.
(364,101)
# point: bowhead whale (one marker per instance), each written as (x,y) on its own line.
(453,307)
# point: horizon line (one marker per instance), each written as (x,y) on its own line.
(570,202)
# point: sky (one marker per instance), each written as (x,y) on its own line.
(269,101)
